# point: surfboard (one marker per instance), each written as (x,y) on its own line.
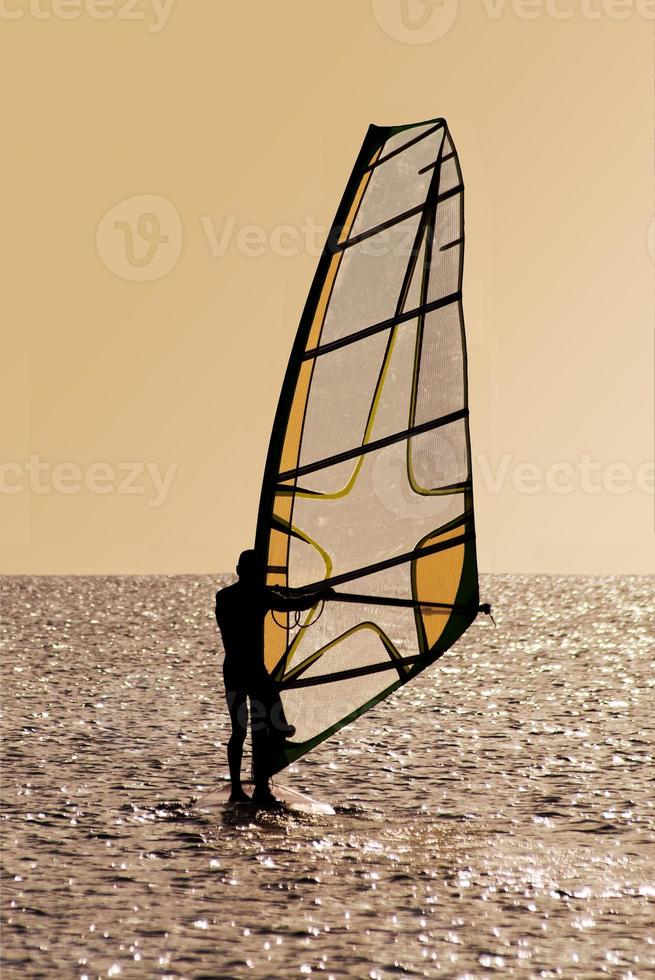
(291,799)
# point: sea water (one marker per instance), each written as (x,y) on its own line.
(495,816)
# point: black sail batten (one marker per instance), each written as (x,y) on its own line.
(347,675)
(438,124)
(377,229)
(378,600)
(393,321)
(396,560)
(368,474)
(370,447)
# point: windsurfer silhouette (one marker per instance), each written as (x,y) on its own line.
(240,612)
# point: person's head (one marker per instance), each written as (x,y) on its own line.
(249,569)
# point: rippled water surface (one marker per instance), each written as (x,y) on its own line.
(494,816)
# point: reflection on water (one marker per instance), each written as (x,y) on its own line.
(495,815)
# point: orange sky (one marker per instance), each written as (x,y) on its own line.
(169,172)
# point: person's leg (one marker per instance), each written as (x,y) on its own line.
(238,708)
(269,731)
(260,728)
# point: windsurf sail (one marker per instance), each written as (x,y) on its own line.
(367,485)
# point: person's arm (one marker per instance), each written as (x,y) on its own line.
(296,603)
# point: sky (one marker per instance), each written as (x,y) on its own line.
(170,172)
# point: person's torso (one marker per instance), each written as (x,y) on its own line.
(240,616)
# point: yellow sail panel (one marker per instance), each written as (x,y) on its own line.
(357,200)
(275,638)
(291,449)
(437,578)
